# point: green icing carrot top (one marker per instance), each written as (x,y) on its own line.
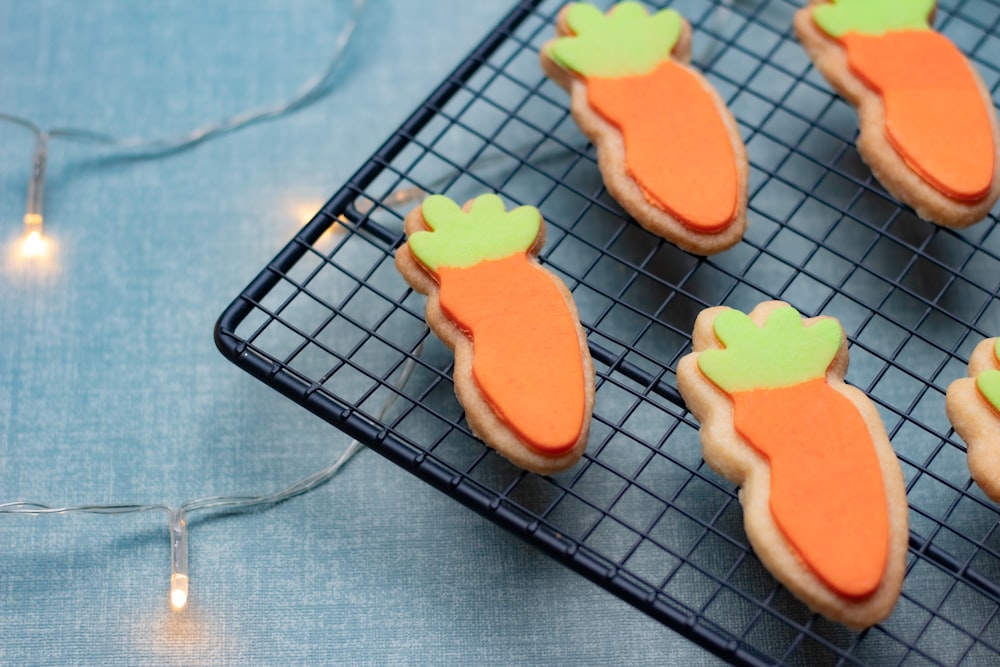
(873,17)
(988,382)
(782,353)
(460,239)
(628,41)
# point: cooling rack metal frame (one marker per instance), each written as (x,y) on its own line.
(329,323)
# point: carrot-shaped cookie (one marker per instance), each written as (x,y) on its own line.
(928,126)
(667,147)
(973,406)
(523,370)
(822,491)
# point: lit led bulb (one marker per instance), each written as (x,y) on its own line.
(178,560)
(178,591)
(34,243)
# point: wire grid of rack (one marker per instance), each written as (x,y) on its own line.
(329,323)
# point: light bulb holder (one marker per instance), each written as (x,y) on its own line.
(178,559)
(32,224)
(36,184)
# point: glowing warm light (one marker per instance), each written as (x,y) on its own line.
(178,591)
(34,244)
(305,210)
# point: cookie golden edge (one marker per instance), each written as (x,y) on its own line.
(732,457)
(611,154)
(482,419)
(887,165)
(976,422)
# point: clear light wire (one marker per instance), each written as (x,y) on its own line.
(312,91)
(177,515)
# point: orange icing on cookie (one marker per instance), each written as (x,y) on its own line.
(935,116)
(526,359)
(827,494)
(677,147)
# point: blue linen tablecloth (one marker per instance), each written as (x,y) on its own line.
(112,390)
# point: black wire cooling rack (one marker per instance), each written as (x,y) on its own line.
(329,323)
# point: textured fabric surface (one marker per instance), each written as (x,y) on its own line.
(112,390)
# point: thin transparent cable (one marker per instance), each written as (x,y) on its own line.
(177,515)
(310,92)
(299,487)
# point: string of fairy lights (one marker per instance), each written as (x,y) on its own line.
(34,243)
(309,93)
